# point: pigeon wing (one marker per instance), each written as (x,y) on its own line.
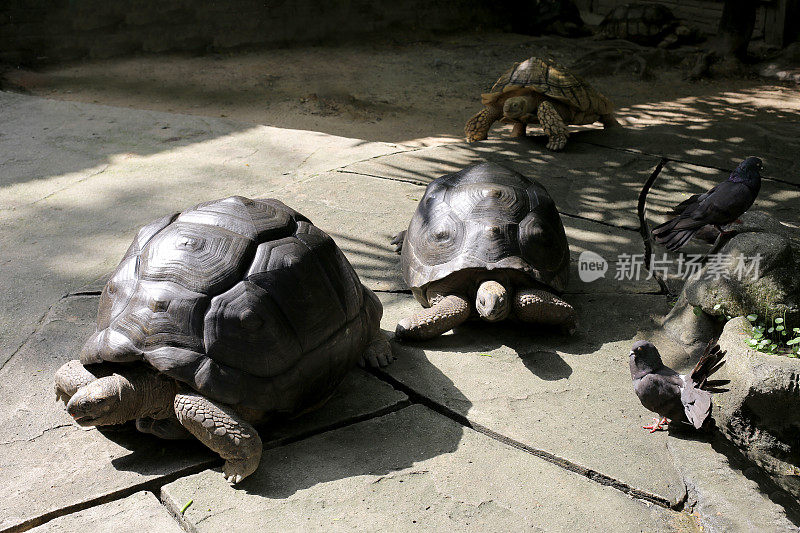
(696,404)
(660,392)
(723,204)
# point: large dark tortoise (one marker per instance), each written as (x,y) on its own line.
(227,314)
(486,242)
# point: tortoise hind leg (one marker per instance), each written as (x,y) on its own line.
(223,430)
(553,126)
(542,307)
(446,313)
(477,128)
(609,121)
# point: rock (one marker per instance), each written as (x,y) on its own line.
(732,283)
(690,327)
(761,412)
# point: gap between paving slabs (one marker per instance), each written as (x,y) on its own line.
(49,467)
(587,472)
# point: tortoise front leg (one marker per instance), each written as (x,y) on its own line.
(163,428)
(542,307)
(72,376)
(477,128)
(446,313)
(519,129)
(222,429)
(609,121)
(378,353)
(553,126)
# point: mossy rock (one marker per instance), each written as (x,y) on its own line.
(770,291)
(760,413)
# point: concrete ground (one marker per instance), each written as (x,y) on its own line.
(489,428)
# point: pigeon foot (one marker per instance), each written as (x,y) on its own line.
(657,425)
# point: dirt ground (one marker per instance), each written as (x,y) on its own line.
(391,89)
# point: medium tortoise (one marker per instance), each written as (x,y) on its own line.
(544,92)
(646,24)
(230,313)
(484,241)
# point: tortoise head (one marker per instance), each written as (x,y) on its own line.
(104,401)
(492,301)
(518,106)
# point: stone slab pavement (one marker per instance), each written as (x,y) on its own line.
(489,427)
(139,512)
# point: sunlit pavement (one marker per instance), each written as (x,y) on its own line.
(486,428)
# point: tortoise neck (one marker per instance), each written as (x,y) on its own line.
(146,394)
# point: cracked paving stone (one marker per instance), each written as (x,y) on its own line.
(569,396)
(47,462)
(410,470)
(719,491)
(139,512)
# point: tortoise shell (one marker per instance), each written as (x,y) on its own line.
(246,301)
(551,79)
(485,217)
(645,24)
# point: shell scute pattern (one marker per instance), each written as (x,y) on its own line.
(496,218)
(243,300)
(551,79)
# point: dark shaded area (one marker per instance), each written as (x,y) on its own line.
(546,364)
(34,32)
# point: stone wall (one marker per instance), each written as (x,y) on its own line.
(702,14)
(34,31)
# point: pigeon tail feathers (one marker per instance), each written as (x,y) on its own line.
(709,362)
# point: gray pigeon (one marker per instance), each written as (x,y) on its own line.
(723,204)
(673,396)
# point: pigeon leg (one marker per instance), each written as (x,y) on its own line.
(542,307)
(553,126)
(446,313)
(477,128)
(657,425)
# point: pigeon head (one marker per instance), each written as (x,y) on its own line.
(644,359)
(748,171)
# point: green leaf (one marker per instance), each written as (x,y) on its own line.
(770,330)
(485,355)
(716,307)
(773,346)
(792,342)
(752,318)
(697,311)
(752,342)
(779,328)
(186,506)
(779,321)
(757,335)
